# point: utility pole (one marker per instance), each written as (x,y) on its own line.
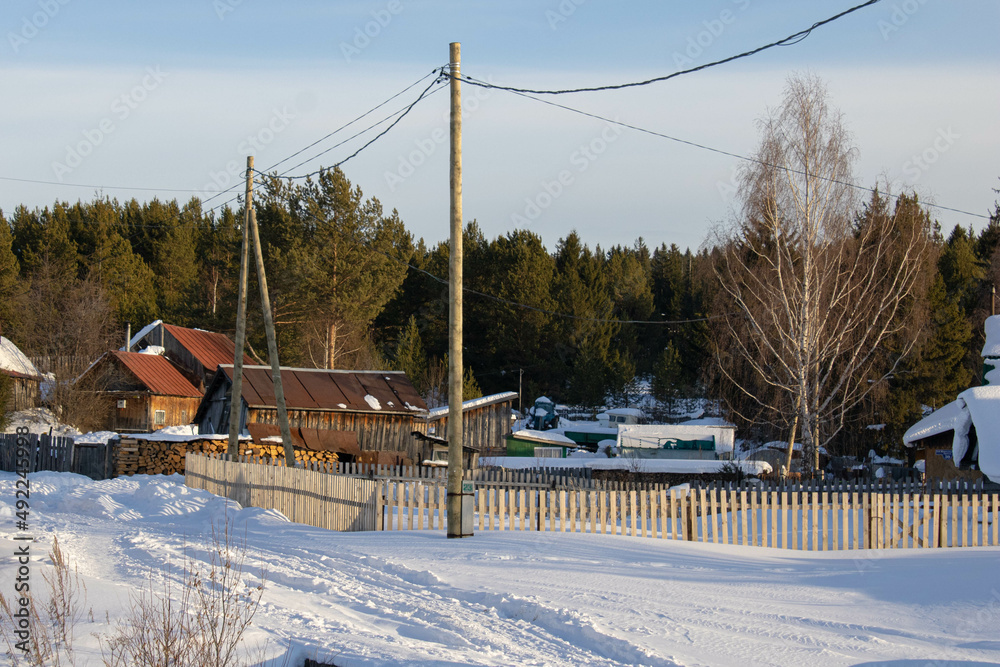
(236,390)
(455,473)
(272,346)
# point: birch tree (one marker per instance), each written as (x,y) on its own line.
(812,291)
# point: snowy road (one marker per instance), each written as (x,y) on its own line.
(527,598)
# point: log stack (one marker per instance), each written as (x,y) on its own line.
(135,456)
(307,456)
(150,457)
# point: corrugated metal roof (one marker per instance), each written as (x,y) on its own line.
(320,389)
(157,373)
(208,347)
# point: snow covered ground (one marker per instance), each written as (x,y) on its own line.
(509,598)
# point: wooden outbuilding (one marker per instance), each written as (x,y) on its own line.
(196,351)
(485,423)
(26,380)
(380,407)
(145,392)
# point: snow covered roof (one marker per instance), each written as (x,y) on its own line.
(473,403)
(992,346)
(543,436)
(626,412)
(979,406)
(13,362)
(941,420)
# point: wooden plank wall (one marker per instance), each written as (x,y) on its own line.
(376,432)
(312,497)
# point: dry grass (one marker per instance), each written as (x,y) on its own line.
(199,620)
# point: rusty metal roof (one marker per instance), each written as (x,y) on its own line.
(320,389)
(157,373)
(208,347)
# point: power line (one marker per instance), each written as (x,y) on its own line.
(787,41)
(400,114)
(96,187)
(695,144)
(348,124)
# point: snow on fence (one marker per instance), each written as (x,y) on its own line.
(312,497)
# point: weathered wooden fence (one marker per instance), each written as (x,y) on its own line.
(810,521)
(800,519)
(312,497)
(58,454)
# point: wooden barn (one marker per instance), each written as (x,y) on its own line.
(485,423)
(26,380)
(146,392)
(380,407)
(199,353)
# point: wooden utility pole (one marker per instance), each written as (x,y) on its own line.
(272,346)
(236,391)
(455,303)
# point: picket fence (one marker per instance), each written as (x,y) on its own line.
(803,520)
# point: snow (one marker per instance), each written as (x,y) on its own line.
(95,438)
(548,436)
(153,349)
(626,412)
(709,421)
(941,420)
(140,335)
(12,359)
(681,466)
(983,405)
(39,420)
(519,598)
(372,402)
(469,404)
(992,346)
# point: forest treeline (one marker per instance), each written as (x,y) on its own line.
(350,288)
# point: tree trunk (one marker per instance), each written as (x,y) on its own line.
(331,345)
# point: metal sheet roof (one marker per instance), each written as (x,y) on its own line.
(320,389)
(157,373)
(208,347)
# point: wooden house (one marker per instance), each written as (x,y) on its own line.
(145,392)
(199,353)
(26,380)
(380,407)
(485,423)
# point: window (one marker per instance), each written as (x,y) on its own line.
(159,417)
(184,416)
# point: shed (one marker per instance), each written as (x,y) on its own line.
(26,378)
(485,422)
(381,407)
(197,351)
(145,392)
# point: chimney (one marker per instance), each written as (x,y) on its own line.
(128,336)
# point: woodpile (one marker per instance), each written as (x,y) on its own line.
(277,451)
(149,457)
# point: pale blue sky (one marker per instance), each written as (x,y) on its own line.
(205,82)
